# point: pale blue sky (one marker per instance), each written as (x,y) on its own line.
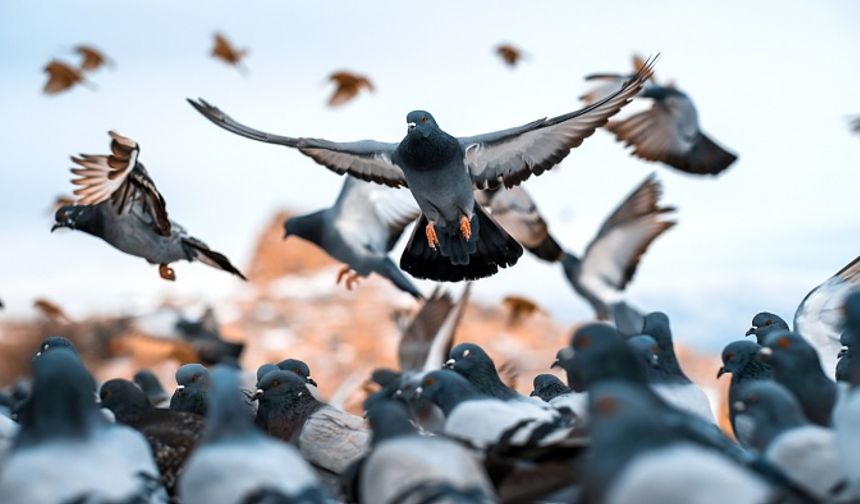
(773,81)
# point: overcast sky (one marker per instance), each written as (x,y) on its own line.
(773,81)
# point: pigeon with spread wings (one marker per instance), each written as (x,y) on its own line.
(668,131)
(119,203)
(455,239)
(360,229)
(613,255)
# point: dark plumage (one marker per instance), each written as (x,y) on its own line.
(204,336)
(740,359)
(547,387)
(764,324)
(148,382)
(473,363)
(192,387)
(300,368)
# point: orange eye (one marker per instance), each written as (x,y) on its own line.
(276,383)
(728,357)
(783,343)
(429,380)
(583,341)
(606,406)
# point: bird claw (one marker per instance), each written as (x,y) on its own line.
(351,277)
(343,271)
(166,272)
(432,239)
(466,227)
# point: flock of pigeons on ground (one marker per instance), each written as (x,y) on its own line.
(626,426)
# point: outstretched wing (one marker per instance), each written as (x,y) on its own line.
(119,177)
(511,156)
(374,214)
(366,159)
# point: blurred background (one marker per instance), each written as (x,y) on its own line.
(774,82)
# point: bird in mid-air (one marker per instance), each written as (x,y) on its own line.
(119,203)
(348,86)
(668,131)
(224,51)
(509,54)
(455,239)
(61,77)
(91,58)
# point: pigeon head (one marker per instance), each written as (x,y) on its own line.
(446,389)
(789,353)
(469,359)
(53,343)
(389,419)
(282,387)
(148,382)
(125,399)
(547,387)
(192,376)
(773,410)
(264,370)
(79,217)
(600,353)
(737,355)
(298,367)
(421,122)
(765,323)
(306,227)
(646,349)
(657,326)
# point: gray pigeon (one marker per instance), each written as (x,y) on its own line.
(300,368)
(52,343)
(119,203)
(473,363)
(611,259)
(806,453)
(796,367)
(67,452)
(740,359)
(360,230)
(548,387)
(668,131)
(406,467)
(192,386)
(235,462)
(155,393)
(454,239)
(819,316)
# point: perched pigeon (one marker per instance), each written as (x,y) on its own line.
(473,363)
(61,77)
(612,257)
(266,369)
(224,51)
(329,438)
(360,229)
(515,210)
(172,435)
(818,317)
(67,452)
(796,367)
(674,386)
(192,386)
(668,131)
(300,368)
(148,382)
(574,400)
(442,171)
(548,387)
(740,359)
(348,85)
(638,456)
(406,467)
(91,58)
(120,204)
(235,462)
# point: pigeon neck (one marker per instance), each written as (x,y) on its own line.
(285,418)
(425,152)
(486,380)
(449,397)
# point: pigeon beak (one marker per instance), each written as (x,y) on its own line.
(56,226)
(180,388)
(418,391)
(722,371)
(311,381)
(410,126)
(533,393)
(751,331)
(765,353)
(842,352)
(398,393)
(257,394)
(739,406)
(555,364)
(450,363)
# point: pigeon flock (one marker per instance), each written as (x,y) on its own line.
(623,423)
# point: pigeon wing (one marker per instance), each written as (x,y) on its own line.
(366,159)
(517,213)
(416,339)
(373,215)
(511,156)
(119,177)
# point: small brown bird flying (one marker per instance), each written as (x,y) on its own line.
(51,311)
(510,54)
(93,59)
(519,308)
(348,86)
(61,77)
(225,51)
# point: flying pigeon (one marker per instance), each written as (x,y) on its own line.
(473,363)
(235,462)
(348,85)
(740,360)
(62,77)
(509,54)
(192,387)
(171,435)
(454,239)
(611,259)
(119,203)
(224,51)
(806,453)
(360,230)
(67,452)
(548,387)
(426,342)
(796,367)
(92,58)
(148,382)
(668,131)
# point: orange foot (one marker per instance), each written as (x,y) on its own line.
(432,239)
(343,271)
(166,272)
(466,227)
(351,277)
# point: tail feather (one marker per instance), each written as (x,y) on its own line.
(548,250)
(201,252)
(490,248)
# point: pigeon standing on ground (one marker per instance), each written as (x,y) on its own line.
(548,387)
(796,367)
(819,316)
(668,131)
(360,230)
(235,462)
(155,393)
(473,363)
(674,386)
(612,257)
(66,451)
(740,359)
(171,435)
(119,203)
(348,85)
(192,387)
(454,239)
